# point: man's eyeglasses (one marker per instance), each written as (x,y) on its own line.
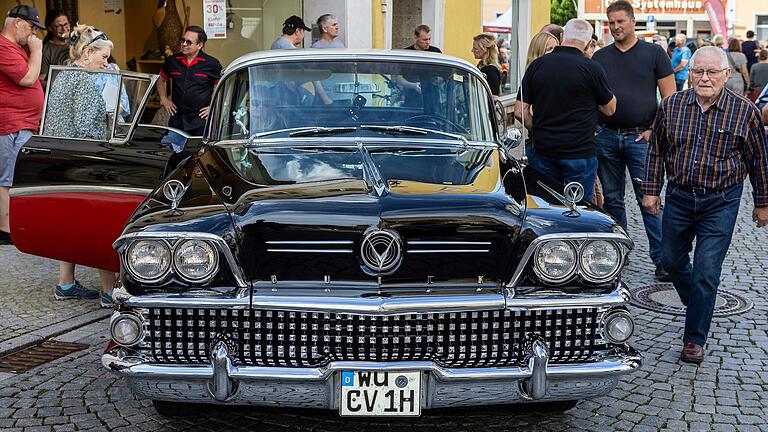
(187,42)
(711,72)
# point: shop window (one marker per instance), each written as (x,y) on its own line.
(761,26)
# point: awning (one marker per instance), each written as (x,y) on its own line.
(502,23)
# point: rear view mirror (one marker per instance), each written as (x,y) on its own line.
(511,138)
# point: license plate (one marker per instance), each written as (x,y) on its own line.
(368,393)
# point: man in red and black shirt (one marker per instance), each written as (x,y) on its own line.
(22,97)
(192,74)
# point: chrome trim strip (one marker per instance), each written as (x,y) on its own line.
(392,305)
(221,245)
(310,250)
(621,238)
(309,242)
(448,251)
(350,143)
(44,190)
(617,297)
(622,361)
(423,242)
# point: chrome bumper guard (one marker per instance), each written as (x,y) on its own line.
(224,382)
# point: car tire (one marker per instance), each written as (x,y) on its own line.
(554,406)
(174,409)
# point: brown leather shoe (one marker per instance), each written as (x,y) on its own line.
(692,353)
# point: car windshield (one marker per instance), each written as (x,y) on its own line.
(352,98)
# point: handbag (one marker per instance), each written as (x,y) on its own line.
(733,67)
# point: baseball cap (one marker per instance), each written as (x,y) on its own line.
(295,22)
(27,13)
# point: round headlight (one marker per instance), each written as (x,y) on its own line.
(600,259)
(148,260)
(618,326)
(195,259)
(556,261)
(126,329)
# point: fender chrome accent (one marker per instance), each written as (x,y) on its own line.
(219,242)
(56,189)
(523,263)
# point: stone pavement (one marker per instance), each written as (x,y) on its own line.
(28,310)
(729,391)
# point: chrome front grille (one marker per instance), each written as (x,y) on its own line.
(306,339)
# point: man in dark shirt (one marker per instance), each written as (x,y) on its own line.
(750,49)
(566,90)
(422,40)
(635,69)
(193,75)
(707,140)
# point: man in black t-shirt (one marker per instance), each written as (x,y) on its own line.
(422,40)
(635,69)
(566,90)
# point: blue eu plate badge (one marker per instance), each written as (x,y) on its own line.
(347,378)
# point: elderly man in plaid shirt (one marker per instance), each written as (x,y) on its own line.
(707,139)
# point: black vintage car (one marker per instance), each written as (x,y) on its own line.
(354,234)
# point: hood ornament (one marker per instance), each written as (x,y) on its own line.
(174,191)
(381,251)
(573,192)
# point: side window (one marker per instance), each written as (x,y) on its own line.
(93,104)
(125,106)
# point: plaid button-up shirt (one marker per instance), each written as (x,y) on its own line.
(713,149)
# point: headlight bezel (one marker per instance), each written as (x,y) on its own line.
(585,274)
(551,280)
(171,244)
(130,268)
(610,315)
(579,244)
(141,325)
(214,267)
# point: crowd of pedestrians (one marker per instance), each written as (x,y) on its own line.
(604,114)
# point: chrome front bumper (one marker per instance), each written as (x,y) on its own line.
(223,382)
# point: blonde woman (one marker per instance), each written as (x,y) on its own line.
(542,43)
(76,109)
(484,49)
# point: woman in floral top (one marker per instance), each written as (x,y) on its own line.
(76,108)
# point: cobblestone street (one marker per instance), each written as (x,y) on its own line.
(729,391)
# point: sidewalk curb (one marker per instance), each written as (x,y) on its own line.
(39,335)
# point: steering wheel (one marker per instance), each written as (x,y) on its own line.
(438,122)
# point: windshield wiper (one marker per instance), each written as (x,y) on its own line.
(412,130)
(322,131)
(301,131)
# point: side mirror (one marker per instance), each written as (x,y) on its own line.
(511,138)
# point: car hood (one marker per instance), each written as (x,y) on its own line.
(313,233)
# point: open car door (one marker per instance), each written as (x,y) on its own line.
(71,195)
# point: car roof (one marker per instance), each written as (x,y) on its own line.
(310,54)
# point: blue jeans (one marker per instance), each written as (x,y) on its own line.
(569,170)
(710,219)
(616,153)
(679,84)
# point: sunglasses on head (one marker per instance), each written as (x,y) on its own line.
(76,37)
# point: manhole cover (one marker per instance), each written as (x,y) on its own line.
(36,355)
(662,297)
